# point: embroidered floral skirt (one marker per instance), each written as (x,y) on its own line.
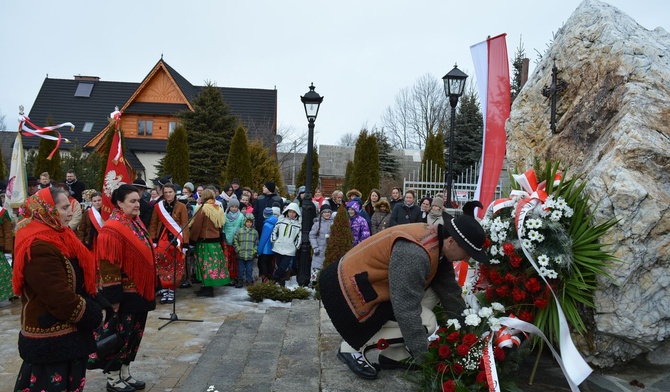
(62,376)
(165,259)
(5,279)
(231,258)
(131,327)
(210,264)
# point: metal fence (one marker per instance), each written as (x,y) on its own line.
(429,180)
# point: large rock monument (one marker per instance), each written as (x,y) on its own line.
(613,128)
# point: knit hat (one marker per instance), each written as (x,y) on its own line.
(437,201)
(233,201)
(326,207)
(276,211)
(249,217)
(267,212)
(271,186)
(190,186)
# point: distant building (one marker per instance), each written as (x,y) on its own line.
(149,110)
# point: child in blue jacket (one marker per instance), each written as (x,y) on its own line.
(265,254)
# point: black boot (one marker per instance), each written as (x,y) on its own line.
(205,292)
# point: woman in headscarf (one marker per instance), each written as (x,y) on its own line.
(55,275)
(169,220)
(91,222)
(128,276)
(210,261)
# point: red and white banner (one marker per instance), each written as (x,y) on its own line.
(96,218)
(116,173)
(492,71)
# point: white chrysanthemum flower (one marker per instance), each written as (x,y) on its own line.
(558,260)
(543,260)
(468,311)
(494,236)
(533,223)
(540,238)
(550,202)
(454,323)
(497,306)
(568,212)
(494,250)
(472,320)
(560,203)
(551,274)
(556,215)
(486,223)
(543,271)
(494,323)
(485,312)
(502,236)
(544,213)
(528,244)
(494,261)
(533,235)
(505,224)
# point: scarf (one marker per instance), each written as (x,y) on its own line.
(213,212)
(42,224)
(435,218)
(124,240)
(231,216)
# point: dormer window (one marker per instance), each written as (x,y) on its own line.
(84,90)
(88,126)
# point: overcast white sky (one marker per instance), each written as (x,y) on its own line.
(359,54)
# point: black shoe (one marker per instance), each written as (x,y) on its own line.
(138,385)
(390,364)
(205,292)
(184,285)
(119,387)
(358,365)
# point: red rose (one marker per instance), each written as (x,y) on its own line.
(509,278)
(526,316)
(444,351)
(508,248)
(441,367)
(487,243)
(448,386)
(533,285)
(498,354)
(442,330)
(494,277)
(470,339)
(434,343)
(502,291)
(541,303)
(457,368)
(463,350)
(481,377)
(518,295)
(454,337)
(515,260)
(56,378)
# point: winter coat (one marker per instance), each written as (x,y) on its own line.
(246,243)
(402,214)
(359,226)
(380,221)
(265,244)
(287,233)
(318,237)
(362,211)
(231,227)
(263,201)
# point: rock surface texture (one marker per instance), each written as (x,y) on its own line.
(613,128)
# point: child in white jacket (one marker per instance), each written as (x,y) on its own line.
(286,238)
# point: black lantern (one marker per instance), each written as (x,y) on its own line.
(312,100)
(454,84)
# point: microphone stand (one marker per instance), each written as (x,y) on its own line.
(173,315)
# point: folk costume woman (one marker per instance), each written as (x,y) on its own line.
(55,275)
(128,276)
(205,234)
(6,246)
(169,220)
(91,222)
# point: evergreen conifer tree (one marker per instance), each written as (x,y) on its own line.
(366,163)
(389,165)
(341,239)
(348,176)
(301,178)
(264,169)
(176,159)
(239,160)
(210,128)
(84,165)
(517,63)
(468,134)
(43,164)
(434,153)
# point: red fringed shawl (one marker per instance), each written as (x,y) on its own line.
(64,240)
(118,244)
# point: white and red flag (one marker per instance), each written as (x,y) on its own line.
(492,71)
(116,172)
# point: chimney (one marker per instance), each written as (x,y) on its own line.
(84,78)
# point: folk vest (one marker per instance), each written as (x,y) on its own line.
(363,272)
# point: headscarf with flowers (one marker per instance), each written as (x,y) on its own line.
(124,241)
(42,223)
(213,212)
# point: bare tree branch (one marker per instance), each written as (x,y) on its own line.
(348,140)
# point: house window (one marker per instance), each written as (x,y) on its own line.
(145,128)
(171,126)
(87,127)
(84,90)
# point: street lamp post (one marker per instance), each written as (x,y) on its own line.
(454,84)
(312,100)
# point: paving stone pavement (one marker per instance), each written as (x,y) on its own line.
(247,346)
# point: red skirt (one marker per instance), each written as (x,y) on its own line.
(165,260)
(231,259)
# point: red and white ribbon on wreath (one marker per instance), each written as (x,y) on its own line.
(40,132)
